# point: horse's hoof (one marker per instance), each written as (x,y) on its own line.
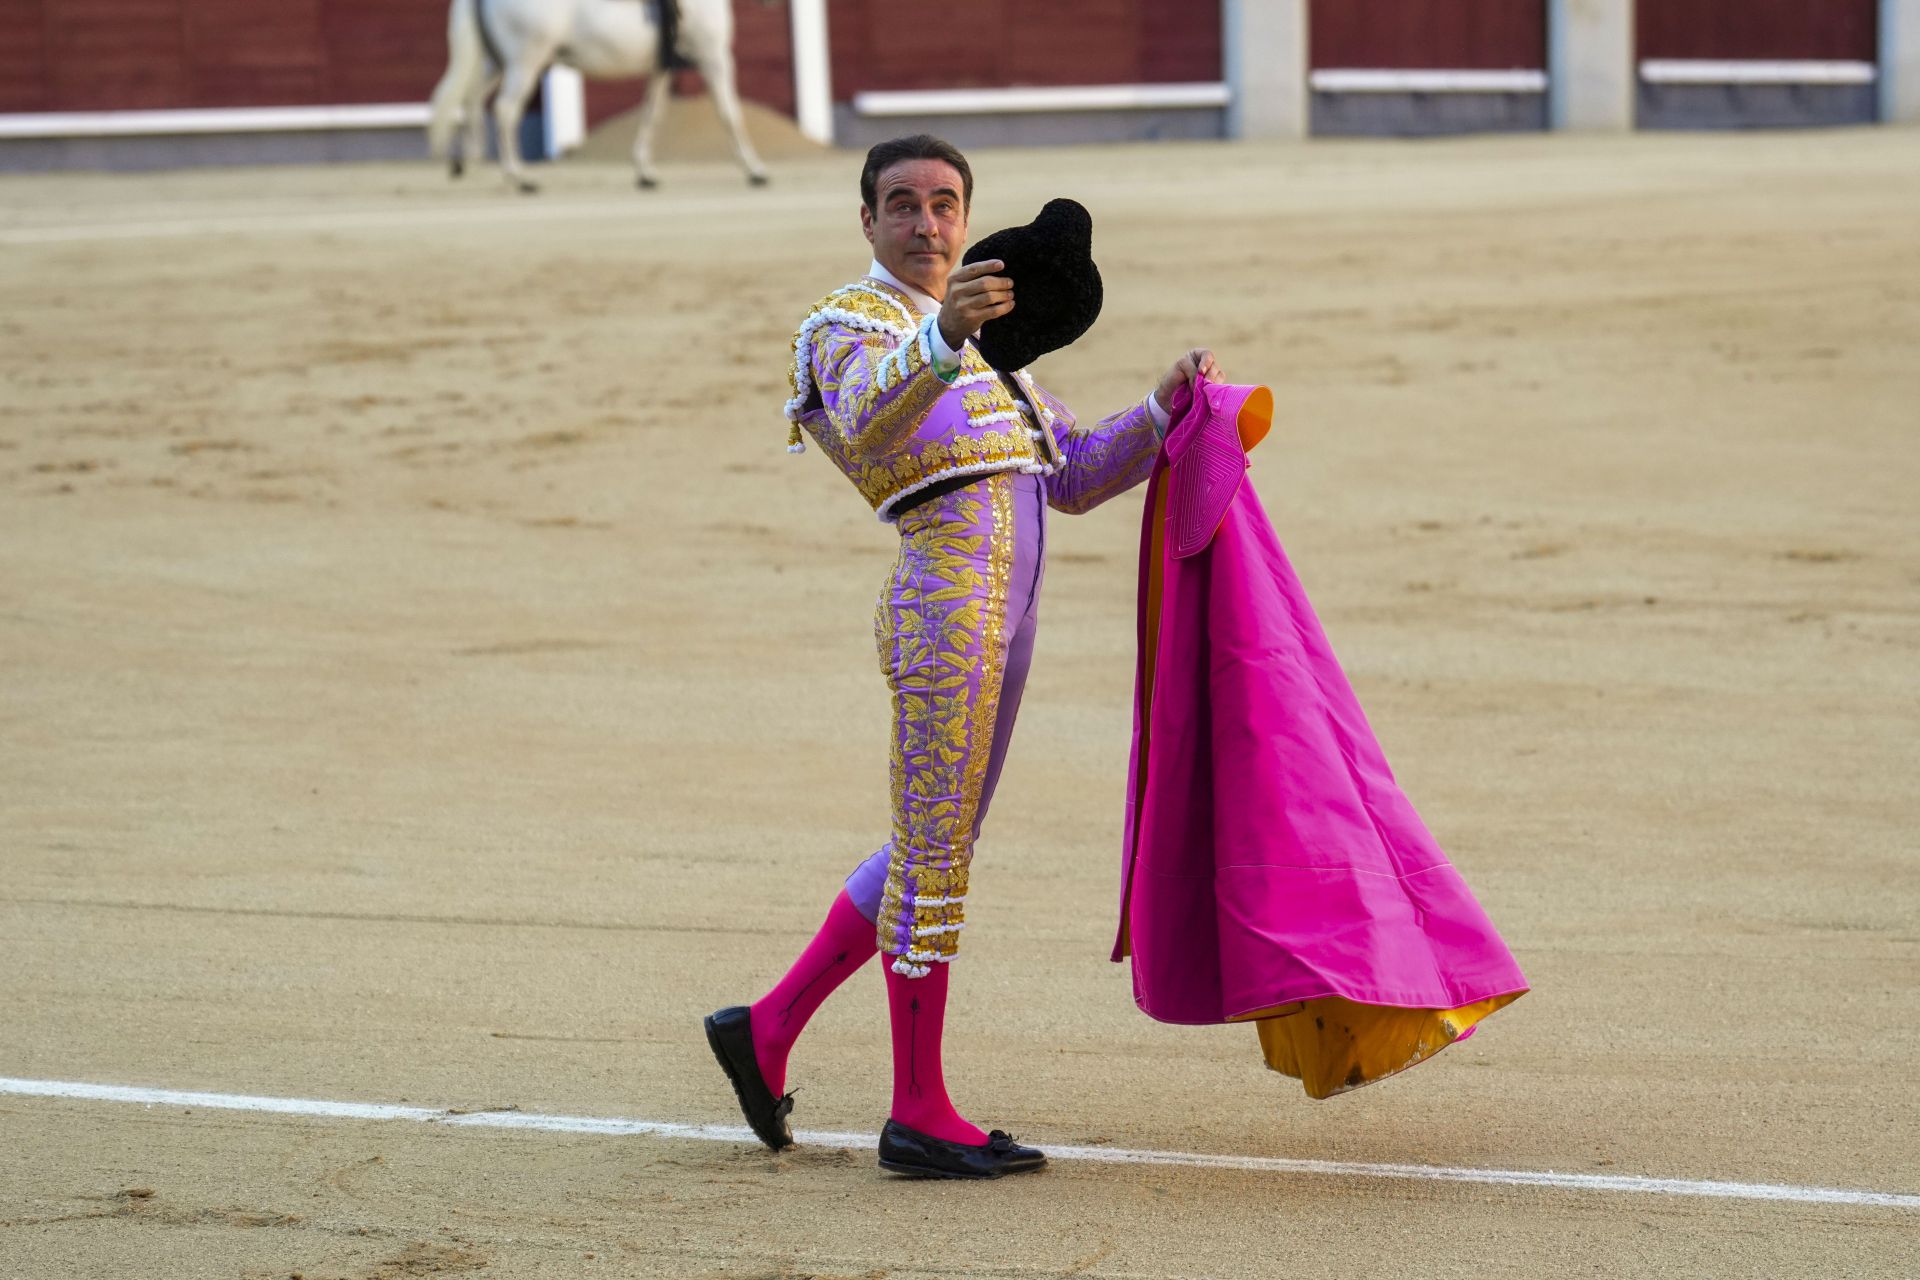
(526,188)
(456,167)
(647,182)
(758,179)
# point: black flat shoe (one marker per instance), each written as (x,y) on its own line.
(730,1035)
(908,1151)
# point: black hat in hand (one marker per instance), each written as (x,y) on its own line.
(1056,287)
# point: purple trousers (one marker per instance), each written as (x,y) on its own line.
(954,627)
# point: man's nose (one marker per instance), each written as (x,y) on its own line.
(929,226)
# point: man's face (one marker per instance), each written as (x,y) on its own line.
(920,227)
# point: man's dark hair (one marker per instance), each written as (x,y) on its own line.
(919,146)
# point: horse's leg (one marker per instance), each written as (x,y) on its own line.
(441,125)
(718,70)
(652,109)
(509,105)
(466,69)
(460,140)
(474,130)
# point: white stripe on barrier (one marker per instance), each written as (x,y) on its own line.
(1076,97)
(113,124)
(1707,71)
(1383,80)
(1619,1183)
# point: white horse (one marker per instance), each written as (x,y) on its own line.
(512,43)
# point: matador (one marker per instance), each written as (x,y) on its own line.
(964,460)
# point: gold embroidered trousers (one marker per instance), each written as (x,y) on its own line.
(954,626)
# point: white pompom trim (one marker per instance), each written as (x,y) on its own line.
(803,348)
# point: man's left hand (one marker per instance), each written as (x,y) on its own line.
(1198,362)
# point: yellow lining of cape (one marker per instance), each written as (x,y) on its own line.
(1333,1045)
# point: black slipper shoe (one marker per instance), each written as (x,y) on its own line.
(918,1155)
(730,1035)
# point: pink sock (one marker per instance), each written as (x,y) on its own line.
(843,944)
(918,1007)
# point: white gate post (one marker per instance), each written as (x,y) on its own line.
(812,70)
(1900,61)
(1592,79)
(1265,43)
(563,107)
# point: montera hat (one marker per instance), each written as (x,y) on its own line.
(1056,287)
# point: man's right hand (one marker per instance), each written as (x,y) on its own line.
(974,296)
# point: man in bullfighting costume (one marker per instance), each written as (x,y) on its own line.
(963,456)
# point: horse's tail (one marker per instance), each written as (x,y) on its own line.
(467,55)
(671,57)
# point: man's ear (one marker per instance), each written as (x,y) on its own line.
(866,223)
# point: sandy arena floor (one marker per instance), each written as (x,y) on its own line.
(427,680)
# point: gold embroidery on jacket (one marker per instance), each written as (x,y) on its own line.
(876,388)
(1105,459)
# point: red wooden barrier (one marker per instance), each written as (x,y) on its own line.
(89,55)
(23,55)
(885,44)
(1827,30)
(114,53)
(96,55)
(1476,35)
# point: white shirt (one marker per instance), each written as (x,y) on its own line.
(946,360)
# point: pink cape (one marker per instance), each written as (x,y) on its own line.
(1273,870)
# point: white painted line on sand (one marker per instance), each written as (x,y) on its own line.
(865,1141)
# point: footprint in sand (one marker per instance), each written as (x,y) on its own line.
(422,1259)
(551,439)
(511,648)
(565,522)
(189,448)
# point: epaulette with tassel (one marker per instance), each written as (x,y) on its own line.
(855,306)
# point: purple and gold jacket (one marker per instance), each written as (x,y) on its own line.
(867,389)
